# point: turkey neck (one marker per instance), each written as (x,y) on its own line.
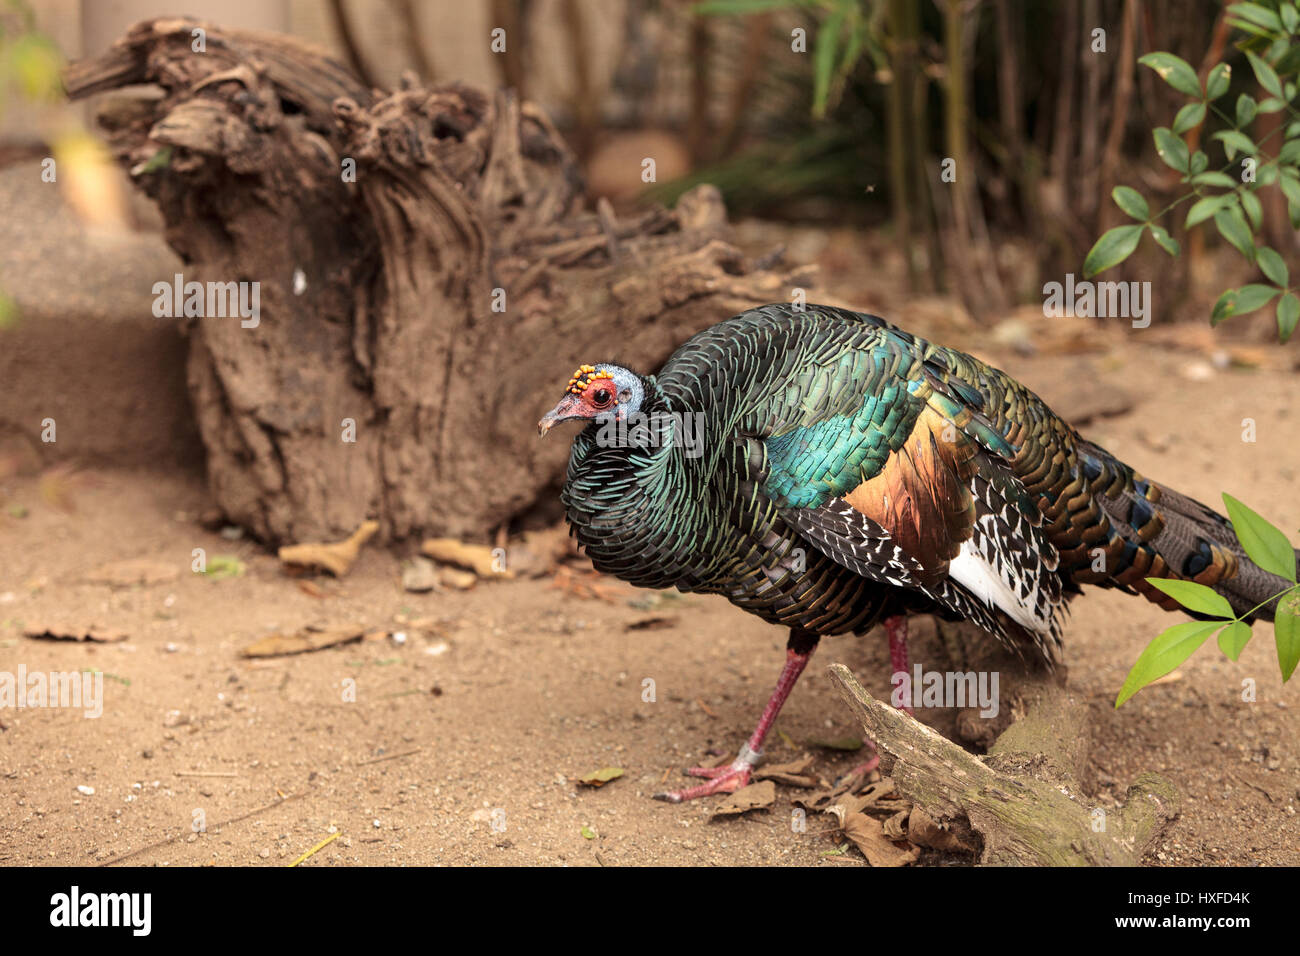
(637,494)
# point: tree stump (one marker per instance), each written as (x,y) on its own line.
(428,279)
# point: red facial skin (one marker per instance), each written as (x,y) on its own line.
(582,405)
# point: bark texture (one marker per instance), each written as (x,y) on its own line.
(1024,800)
(438,298)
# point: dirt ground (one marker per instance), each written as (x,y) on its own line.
(501,696)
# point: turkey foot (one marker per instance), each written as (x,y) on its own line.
(733,776)
(728,778)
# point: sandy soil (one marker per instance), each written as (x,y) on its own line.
(502,696)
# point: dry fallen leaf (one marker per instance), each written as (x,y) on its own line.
(63,632)
(308,639)
(336,558)
(598,778)
(869,837)
(895,826)
(879,791)
(586,586)
(924,831)
(795,773)
(540,551)
(478,558)
(457,579)
(312,588)
(757,796)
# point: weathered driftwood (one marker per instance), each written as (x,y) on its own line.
(438,298)
(1024,799)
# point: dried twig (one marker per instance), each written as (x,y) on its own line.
(404,753)
(316,849)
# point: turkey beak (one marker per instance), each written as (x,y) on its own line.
(560,413)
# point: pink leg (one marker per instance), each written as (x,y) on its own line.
(896,628)
(731,777)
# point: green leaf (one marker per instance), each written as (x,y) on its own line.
(1173,646)
(828,40)
(587,832)
(1194,597)
(35,64)
(1233,639)
(1290,188)
(1114,246)
(1214,178)
(1203,209)
(1286,631)
(598,778)
(1189,117)
(1254,296)
(1290,152)
(1216,84)
(1271,264)
(1252,29)
(159,160)
(1288,311)
(1171,149)
(1250,203)
(1223,306)
(8,311)
(221,566)
(1290,17)
(1246,107)
(1264,544)
(1272,105)
(1130,202)
(1198,163)
(1254,13)
(1163,239)
(1233,227)
(1175,71)
(1240,301)
(1234,141)
(1266,75)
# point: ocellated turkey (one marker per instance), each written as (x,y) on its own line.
(847,472)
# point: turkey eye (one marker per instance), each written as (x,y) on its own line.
(602,397)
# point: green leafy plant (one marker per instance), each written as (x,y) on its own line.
(30,62)
(844,35)
(30,65)
(1267,547)
(1227,196)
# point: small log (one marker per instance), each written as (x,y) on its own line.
(1023,800)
